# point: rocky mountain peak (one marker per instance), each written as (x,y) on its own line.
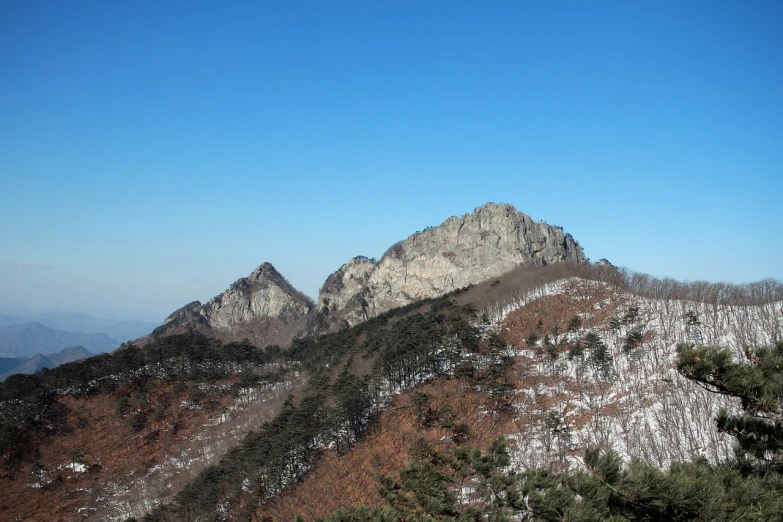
(264,294)
(492,240)
(187,315)
(265,271)
(264,276)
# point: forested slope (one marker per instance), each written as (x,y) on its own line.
(555,359)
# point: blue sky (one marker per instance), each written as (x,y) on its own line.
(153,152)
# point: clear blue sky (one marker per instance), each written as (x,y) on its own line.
(153,152)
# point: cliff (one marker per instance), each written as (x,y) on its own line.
(487,243)
(264,298)
(465,250)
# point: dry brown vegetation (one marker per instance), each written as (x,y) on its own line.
(508,288)
(545,405)
(458,415)
(541,399)
(461,411)
(114,454)
(550,315)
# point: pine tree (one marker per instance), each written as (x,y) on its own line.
(749,488)
(758,384)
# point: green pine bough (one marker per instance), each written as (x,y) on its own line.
(468,484)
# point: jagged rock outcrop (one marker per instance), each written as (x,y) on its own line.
(491,241)
(189,316)
(263,296)
(465,250)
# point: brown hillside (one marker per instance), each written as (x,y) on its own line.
(90,468)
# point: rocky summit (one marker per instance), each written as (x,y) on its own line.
(263,295)
(465,250)
(491,241)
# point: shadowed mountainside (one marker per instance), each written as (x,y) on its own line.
(553,357)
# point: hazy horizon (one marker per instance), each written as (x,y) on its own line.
(118,313)
(152,154)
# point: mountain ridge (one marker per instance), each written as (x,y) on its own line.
(49,360)
(264,301)
(160,422)
(461,251)
(29,339)
(119,330)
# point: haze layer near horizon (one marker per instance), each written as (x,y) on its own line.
(152,153)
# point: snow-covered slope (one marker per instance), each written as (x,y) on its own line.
(631,399)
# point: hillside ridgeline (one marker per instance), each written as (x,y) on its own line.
(33,364)
(179,422)
(263,307)
(29,339)
(462,251)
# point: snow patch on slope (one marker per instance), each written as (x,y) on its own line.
(636,403)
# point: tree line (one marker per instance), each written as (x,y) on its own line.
(28,402)
(352,376)
(469,484)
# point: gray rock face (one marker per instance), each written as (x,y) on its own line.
(465,250)
(264,294)
(491,241)
(188,316)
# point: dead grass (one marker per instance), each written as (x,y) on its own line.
(112,452)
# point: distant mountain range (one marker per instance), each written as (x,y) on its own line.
(10,320)
(29,339)
(13,365)
(47,340)
(119,331)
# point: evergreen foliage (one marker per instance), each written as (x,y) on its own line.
(466,484)
(28,402)
(758,384)
(399,349)
(431,488)
(574,324)
(632,340)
